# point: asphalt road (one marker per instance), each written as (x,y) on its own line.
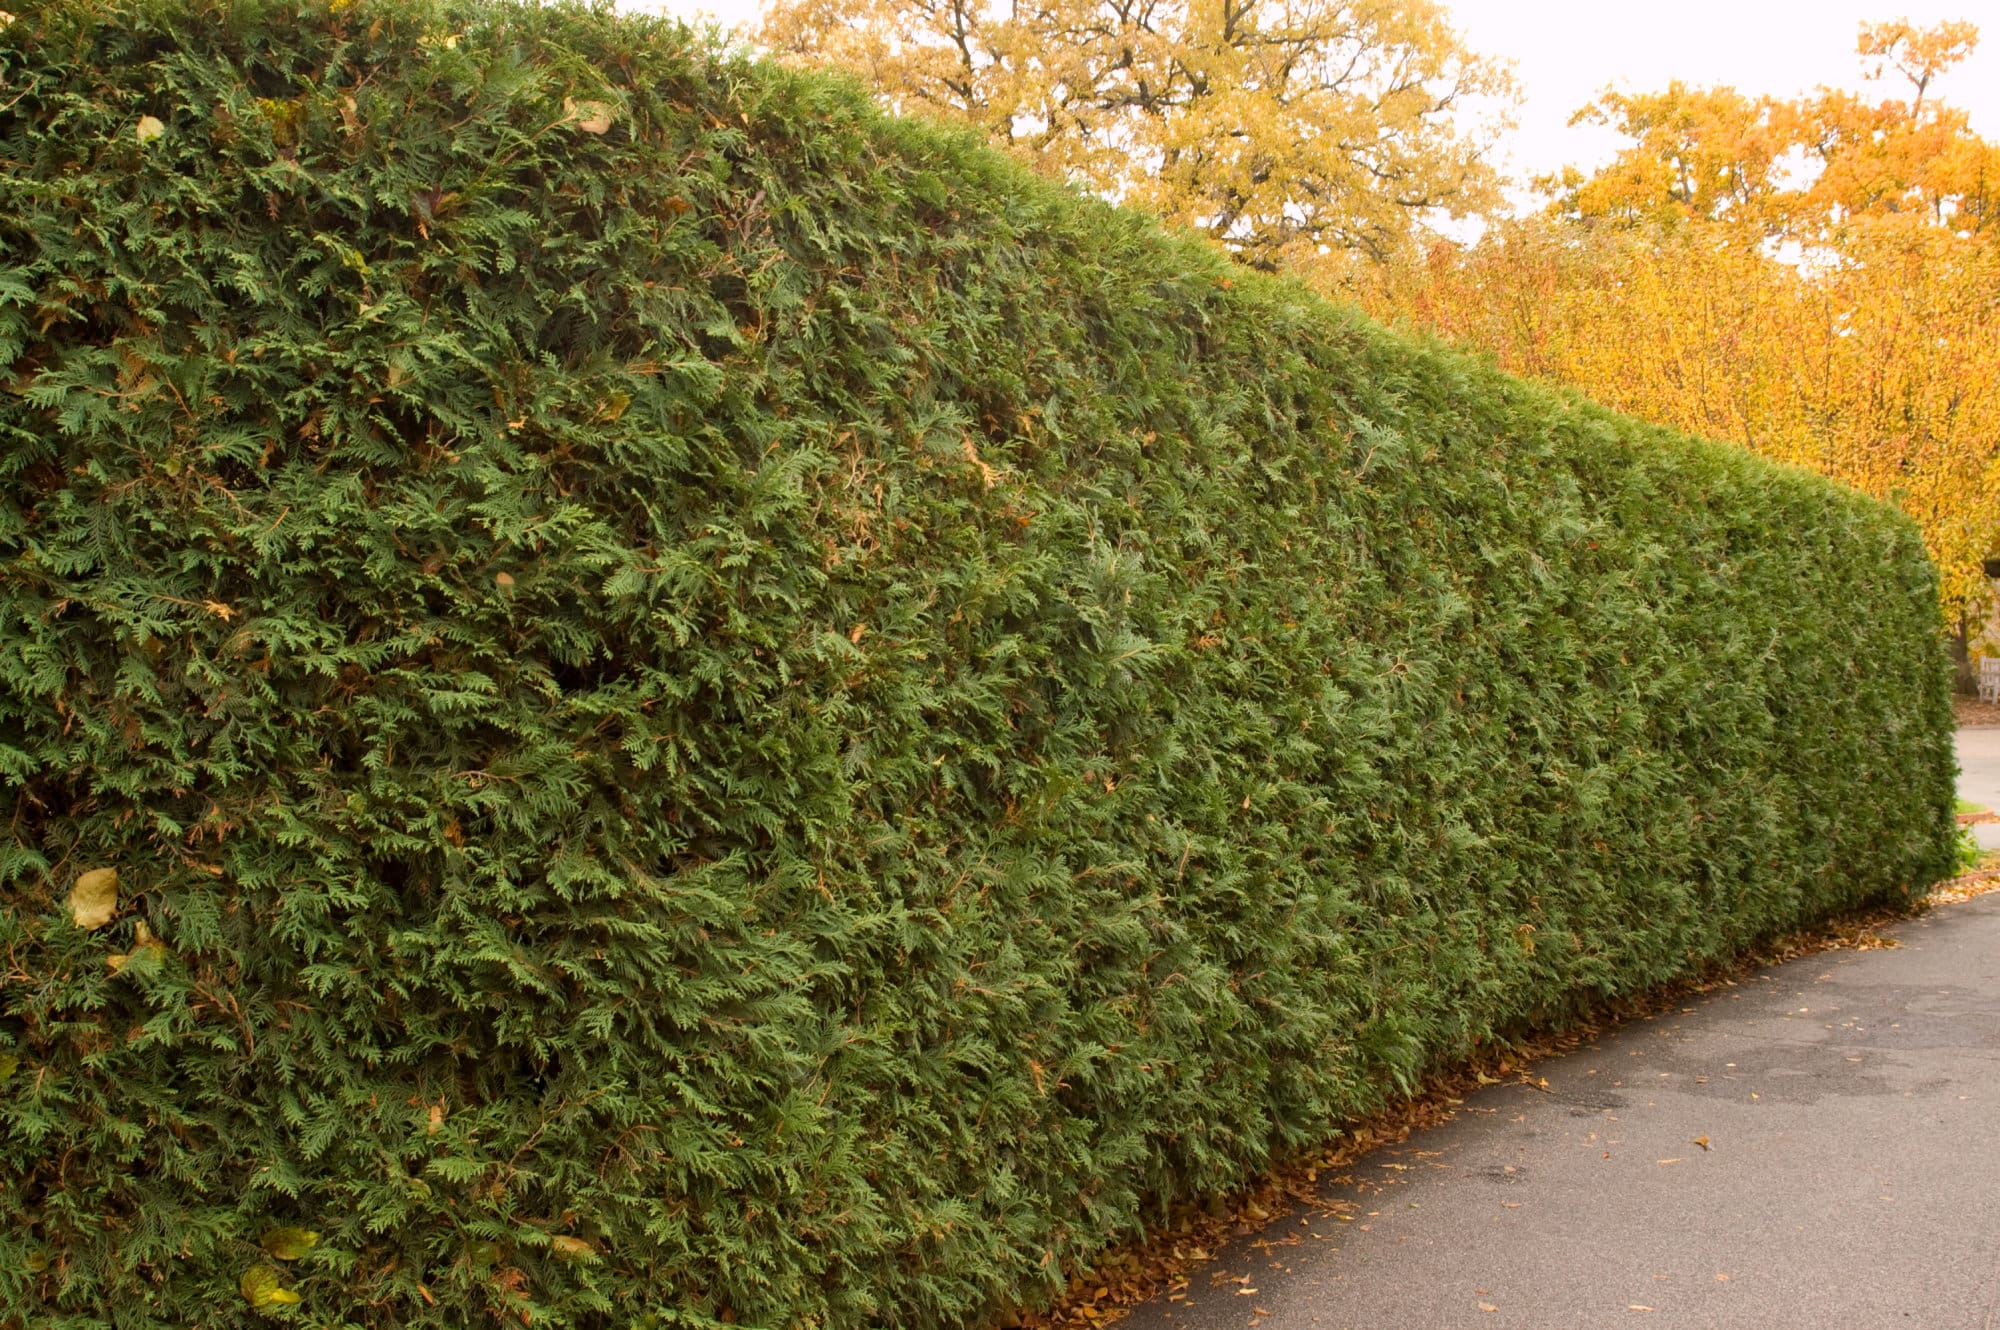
(1979,777)
(1850,1106)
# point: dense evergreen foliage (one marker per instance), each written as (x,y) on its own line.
(712,709)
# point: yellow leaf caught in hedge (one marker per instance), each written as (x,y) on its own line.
(260,1288)
(145,956)
(150,128)
(94,899)
(288,1244)
(592,117)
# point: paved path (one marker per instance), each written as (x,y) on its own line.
(1851,1106)
(1979,777)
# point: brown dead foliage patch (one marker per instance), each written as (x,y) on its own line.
(1973,712)
(1964,887)
(1163,1260)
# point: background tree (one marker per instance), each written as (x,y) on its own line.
(1801,169)
(1817,279)
(1286,128)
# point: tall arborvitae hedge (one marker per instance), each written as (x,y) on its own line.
(713,709)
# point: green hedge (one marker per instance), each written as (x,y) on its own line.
(745,716)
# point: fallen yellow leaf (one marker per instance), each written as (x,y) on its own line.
(1702,1141)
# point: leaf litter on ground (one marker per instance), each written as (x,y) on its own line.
(1129,1275)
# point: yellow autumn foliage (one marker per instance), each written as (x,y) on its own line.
(1284,128)
(1816,279)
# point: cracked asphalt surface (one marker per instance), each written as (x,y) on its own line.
(1850,1107)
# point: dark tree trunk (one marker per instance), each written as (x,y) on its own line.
(1963,677)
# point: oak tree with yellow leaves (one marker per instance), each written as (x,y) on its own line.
(1285,128)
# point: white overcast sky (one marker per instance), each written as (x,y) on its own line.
(1564,51)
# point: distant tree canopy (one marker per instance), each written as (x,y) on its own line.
(1817,279)
(1805,168)
(1285,128)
